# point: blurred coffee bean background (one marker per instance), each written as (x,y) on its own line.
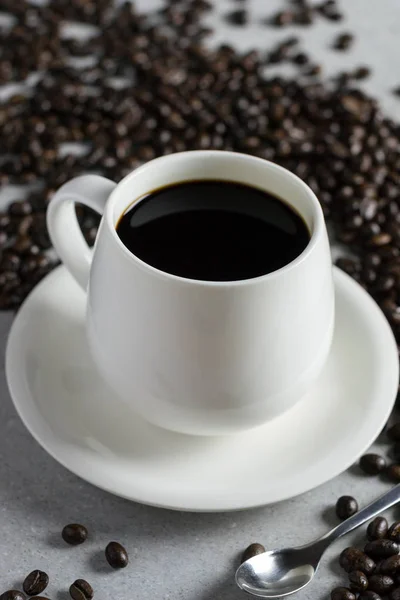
(102,87)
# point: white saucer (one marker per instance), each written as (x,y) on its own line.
(74,415)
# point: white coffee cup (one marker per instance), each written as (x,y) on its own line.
(199,357)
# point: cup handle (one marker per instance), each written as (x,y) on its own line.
(63,226)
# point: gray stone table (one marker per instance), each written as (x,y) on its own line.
(180,555)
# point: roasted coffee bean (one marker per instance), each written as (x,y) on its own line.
(348,265)
(352,559)
(394,432)
(35,583)
(304,16)
(334,16)
(12,595)
(358,581)
(372,464)
(313,70)
(19,209)
(391,566)
(116,555)
(395,451)
(362,73)
(342,593)
(343,41)
(379,549)
(393,473)
(381,584)
(252,550)
(74,534)
(377,529)
(81,590)
(378,567)
(346,506)
(282,18)
(369,595)
(301,58)
(395,594)
(237,17)
(394,532)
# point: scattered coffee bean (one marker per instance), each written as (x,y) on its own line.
(393,473)
(377,529)
(282,18)
(252,550)
(396,451)
(81,590)
(393,432)
(372,464)
(237,17)
(313,70)
(35,583)
(304,16)
(358,581)
(369,595)
(379,549)
(353,559)
(395,594)
(342,593)
(19,209)
(301,58)
(333,15)
(116,555)
(12,595)
(346,506)
(381,584)
(362,73)
(391,566)
(394,532)
(343,41)
(74,534)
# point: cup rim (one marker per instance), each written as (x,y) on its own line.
(317,216)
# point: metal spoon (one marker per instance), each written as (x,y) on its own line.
(277,573)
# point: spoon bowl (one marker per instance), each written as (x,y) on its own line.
(276,573)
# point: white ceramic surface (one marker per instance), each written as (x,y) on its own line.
(77,418)
(192,356)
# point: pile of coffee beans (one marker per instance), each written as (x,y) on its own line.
(303,13)
(145,86)
(37,581)
(373,572)
(153,87)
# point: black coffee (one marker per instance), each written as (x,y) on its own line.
(213,231)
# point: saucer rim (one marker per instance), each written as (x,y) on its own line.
(341,280)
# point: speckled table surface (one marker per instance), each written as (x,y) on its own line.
(181,555)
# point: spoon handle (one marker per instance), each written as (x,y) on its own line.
(369,512)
